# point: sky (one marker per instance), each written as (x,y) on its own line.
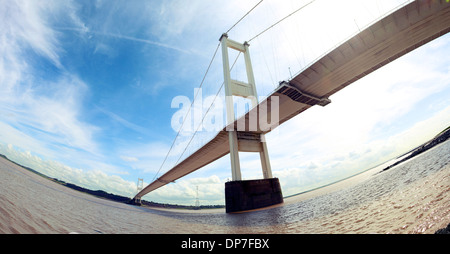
(89,91)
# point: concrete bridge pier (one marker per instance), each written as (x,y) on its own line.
(136,201)
(252,194)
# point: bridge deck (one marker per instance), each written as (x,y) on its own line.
(386,40)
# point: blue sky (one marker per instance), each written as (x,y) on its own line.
(86,91)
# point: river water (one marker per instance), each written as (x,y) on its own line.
(413,197)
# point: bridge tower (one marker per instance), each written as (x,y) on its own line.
(139,187)
(241,195)
(197,201)
(140,184)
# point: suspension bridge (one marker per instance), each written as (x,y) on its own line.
(397,33)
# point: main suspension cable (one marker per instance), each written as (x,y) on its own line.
(279,21)
(244,16)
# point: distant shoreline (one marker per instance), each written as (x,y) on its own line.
(439,138)
(110,196)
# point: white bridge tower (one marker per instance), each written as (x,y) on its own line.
(251,194)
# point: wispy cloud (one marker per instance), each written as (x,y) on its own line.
(23,24)
(129,158)
(124,122)
(44,116)
(150,42)
(88,32)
